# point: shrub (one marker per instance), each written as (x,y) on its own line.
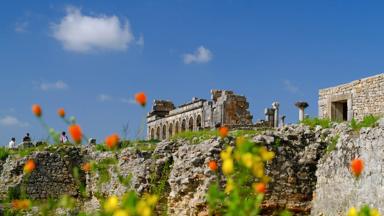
(368,121)
(313,122)
(4,152)
(332,145)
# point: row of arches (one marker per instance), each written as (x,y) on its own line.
(169,129)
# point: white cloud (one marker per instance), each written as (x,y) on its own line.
(12,121)
(58,85)
(289,86)
(104,97)
(127,100)
(21,27)
(81,33)
(201,55)
(140,41)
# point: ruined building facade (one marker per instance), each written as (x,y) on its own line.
(224,108)
(353,100)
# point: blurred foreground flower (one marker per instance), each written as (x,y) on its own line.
(61,112)
(36,110)
(260,188)
(75,131)
(141,98)
(357,166)
(29,166)
(21,204)
(212,165)
(111,204)
(223,132)
(86,167)
(112,141)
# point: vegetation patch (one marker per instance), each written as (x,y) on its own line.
(332,145)
(368,121)
(313,122)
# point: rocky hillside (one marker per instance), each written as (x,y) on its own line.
(307,159)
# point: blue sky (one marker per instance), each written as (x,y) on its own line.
(91,57)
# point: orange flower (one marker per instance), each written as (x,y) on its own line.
(112,140)
(21,204)
(86,167)
(61,112)
(223,132)
(36,110)
(260,187)
(212,165)
(357,166)
(29,166)
(141,98)
(75,131)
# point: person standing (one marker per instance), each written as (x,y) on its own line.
(63,137)
(27,138)
(12,143)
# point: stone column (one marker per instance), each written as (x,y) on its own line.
(301,105)
(275,105)
(283,120)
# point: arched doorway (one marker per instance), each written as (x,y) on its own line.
(183,125)
(164,135)
(152,135)
(177,127)
(190,124)
(198,123)
(157,133)
(170,130)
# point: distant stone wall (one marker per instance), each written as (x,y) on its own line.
(359,98)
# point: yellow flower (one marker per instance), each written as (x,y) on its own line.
(152,200)
(230,186)
(227,167)
(111,204)
(240,140)
(266,155)
(121,212)
(247,160)
(374,212)
(143,209)
(226,154)
(258,170)
(352,212)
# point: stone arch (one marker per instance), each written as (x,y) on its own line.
(170,130)
(164,134)
(157,136)
(152,134)
(190,124)
(183,125)
(198,122)
(177,127)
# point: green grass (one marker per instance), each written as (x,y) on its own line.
(368,121)
(332,145)
(4,152)
(196,136)
(313,122)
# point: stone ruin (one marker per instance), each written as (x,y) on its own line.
(353,100)
(224,109)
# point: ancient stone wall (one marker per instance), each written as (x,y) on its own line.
(353,100)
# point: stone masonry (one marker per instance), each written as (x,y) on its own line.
(224,108)
(353,100)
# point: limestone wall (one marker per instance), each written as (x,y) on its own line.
(364,97)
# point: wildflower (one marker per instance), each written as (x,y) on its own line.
(226,154)
(374,212)
(152,199)
(36,110)
(21,204)
(357,166)
(143,209)
(112,141)
(266,155)
(227,166)
(352,212)
(111,204)
(86,167)
(75,131)
(212,165)
(258,169)
(61,112)
(247,160)
(240,140)
(223,132)
(259,187)
(29,166)
(141,99)
(121,212)
(229,186)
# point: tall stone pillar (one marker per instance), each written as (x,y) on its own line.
(276,105)
(301,105)
(283,120)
